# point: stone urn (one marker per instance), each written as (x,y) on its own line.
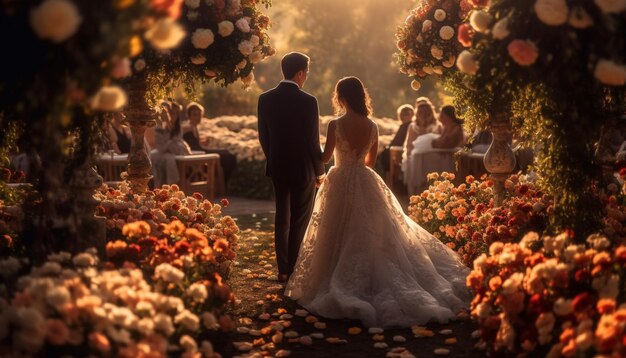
(140,116)
(500,159)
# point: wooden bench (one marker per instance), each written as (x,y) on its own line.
(198,172)
(201,173)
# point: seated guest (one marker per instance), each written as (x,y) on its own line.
(404,115)
(480,141)
(195,114)
(424,122)
(118,133)
(168,143)
(452,135)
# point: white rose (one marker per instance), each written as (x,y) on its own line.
(163,323)
(427,25)
(480,20)
(197,292)
(169,273)
(466,63)
(235,7)
(579,18)
(145,326)
(611,6)
(108,99)
(440,15)
(202,38)
(436,52)
(415,85)
(188,320)
(241,65)
(243,24)
(246,48)
(563,307)
(255,40)
(446,32)
(58,297)
(189,344)
(552,12)
(225,28)
(256,57)
(500,30)
(198,60)
(247,81)
(165,34)
(55,20)
(512,284)
(192,4)
(610,73)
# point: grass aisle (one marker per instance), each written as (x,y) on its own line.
(261,309)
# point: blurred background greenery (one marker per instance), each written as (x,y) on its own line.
(343,38)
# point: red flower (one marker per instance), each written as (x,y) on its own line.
(582,301)
(182,247)
(198,196)
(620,255)
(147,216)
(465,35)
(581,275)
(535,303)
(224,202)
(171,8)
(523,189)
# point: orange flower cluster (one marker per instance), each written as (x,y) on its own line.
(465,219)
(547,296)
(176,221)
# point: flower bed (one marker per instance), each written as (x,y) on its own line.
(550,297)
(70,306)
(465,218)
(159,207)
(238,135)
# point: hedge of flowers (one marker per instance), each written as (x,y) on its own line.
(70,306)
(238,134)
(159,208)
(465,218)
(548,296)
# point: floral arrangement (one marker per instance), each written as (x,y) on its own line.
(548,296)
(70,306)
(159,208)
(427,41)
(465,219)
(532,62)
(226,39)
(239,135)
(182,258)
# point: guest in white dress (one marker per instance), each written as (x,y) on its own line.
(425,122)
(168,144)
(362,257)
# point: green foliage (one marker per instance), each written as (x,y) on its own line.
(249,181)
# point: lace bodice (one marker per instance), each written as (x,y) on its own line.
(345,155)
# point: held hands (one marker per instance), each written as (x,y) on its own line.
(319,180)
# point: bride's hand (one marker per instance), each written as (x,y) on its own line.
(319,181)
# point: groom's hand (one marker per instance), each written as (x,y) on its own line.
(319,180)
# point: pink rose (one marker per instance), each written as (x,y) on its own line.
(465,35)
(524,52)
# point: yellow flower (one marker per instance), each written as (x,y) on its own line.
(136,229)
(135,44)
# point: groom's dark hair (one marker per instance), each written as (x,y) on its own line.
(293,63)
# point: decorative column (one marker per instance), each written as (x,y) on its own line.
(91,229)
(140,116)
(500,159)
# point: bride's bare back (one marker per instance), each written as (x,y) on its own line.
(356,130)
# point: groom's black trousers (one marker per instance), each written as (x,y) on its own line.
(294,204)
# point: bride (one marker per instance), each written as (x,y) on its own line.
(361,257)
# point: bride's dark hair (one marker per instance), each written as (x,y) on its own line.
(352,91)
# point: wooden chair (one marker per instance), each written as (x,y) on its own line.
(200,173)
(110,167)
(394,174)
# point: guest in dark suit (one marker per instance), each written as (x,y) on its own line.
(289,136)
(195,114)
(405,115)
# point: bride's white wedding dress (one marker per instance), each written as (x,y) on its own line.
(363,258)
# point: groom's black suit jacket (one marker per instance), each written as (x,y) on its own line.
(289,134)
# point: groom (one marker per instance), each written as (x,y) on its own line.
(289,136)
